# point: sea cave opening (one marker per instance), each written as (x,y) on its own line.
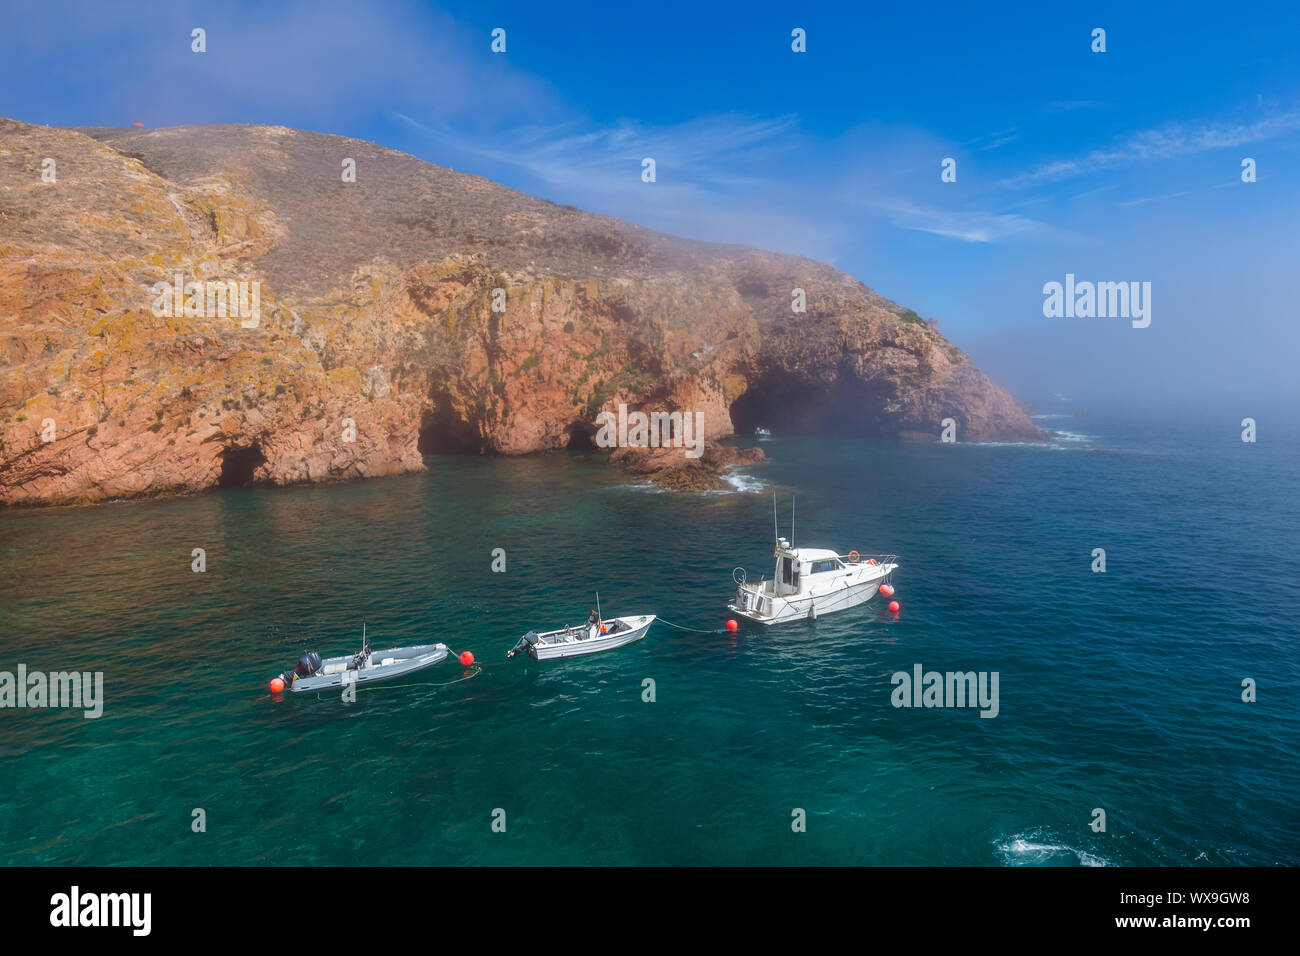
(581,436)
(845,407)
(444,433)
(238,466)
(783,407)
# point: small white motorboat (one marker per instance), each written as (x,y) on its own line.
(590,638)
(808,582)
(761,432)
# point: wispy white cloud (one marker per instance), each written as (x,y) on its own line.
(968,225)
(722,178)
(325,63)
(710,151)
(994,140)
(1000,141)
(1146,199)
(1165,142)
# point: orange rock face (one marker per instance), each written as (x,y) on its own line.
(413,310)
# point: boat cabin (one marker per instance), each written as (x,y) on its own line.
(794,567)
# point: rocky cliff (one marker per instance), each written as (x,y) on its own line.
(414,310)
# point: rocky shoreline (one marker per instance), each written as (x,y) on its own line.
(671,468)
(413,310)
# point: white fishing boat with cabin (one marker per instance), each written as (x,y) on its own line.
(809,582)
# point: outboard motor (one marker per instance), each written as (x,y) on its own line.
(308,665)
(527,642)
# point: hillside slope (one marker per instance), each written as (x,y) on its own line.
(377,339)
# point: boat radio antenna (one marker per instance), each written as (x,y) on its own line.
(776,531)
(792,521)
(599,618)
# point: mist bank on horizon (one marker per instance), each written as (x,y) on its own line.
(1067,368)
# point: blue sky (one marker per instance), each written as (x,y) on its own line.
(1115,166)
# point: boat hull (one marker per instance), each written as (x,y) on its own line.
(552,647)
(844,595)
(405,661)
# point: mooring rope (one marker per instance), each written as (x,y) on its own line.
(696,630)
(478,669)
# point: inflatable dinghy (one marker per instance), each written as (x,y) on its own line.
(313,675)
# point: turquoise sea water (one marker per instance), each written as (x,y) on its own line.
(1119,690)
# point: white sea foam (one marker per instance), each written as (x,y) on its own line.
(737,482)
(743,482)
(1049,446)
(1061,441)
(647,486)
(1036,849)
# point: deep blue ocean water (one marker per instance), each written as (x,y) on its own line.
(1118,690)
